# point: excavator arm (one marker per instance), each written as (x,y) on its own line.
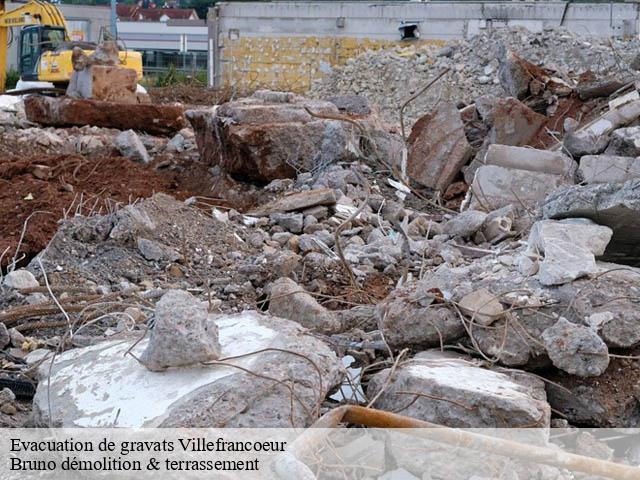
(35,12)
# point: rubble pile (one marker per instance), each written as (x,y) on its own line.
(289,256)
(388,77)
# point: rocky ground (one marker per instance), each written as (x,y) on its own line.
(481,272)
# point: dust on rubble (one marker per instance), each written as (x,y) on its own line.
(451,270)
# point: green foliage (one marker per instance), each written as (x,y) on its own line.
(200,6)
(12,78)
(173,76)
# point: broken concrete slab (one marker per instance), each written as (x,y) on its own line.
(273,135)
(289,300)
(516,74)
(180,335)
(614,205)
(624,142)
(512,122)
(531,159)
(68,112)
(438,147)
(5,337)
(106,83)
(130,146)
(576,349)
(494,187)
(452,391)
(608,168)
(100,386)
(297,201)
(569,248)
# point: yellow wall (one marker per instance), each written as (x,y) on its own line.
(291,63)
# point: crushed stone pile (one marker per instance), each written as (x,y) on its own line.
(388,77)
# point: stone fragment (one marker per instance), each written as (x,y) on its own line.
(451,391)
(576,349)
(465,224)
(292,222)
(494,187)
(155,119)
(297,201)
(106,83)
(583,143)
(612,204)
(101,386)
(513,123)
(20,278)
(624,142)
(411,315)
(351,104)
(5,337)
(17,339)
(154,251)
(289,300)
(181,335)
(515,73)
(543,161)
(482,306)
(438,148)
(130,146)
(569,248)
(608,168)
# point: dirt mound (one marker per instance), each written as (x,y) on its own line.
(75,185)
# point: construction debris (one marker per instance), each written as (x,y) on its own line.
(68,112)
(285,256)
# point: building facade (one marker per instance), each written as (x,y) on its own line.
(286,45)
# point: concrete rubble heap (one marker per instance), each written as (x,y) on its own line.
(478,265)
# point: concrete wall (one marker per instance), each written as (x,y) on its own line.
(285,45)
(81,18)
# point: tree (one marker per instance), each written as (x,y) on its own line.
(200,6)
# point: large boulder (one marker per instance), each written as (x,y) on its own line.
(452,391)
(612,204)
(101,386)
(273,135)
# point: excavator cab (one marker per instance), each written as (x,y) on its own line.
(34,41)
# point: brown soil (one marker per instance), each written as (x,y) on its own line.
(77,185)
(189,94)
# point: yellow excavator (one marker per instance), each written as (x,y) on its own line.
(45,47)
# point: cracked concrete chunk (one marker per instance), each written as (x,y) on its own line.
(289,300)
(494,187)
(608,168)
(181,335)
(569,248)
(454,392)
(100,386)
(576,349)
(129,145)
(438,148)
(612,204)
